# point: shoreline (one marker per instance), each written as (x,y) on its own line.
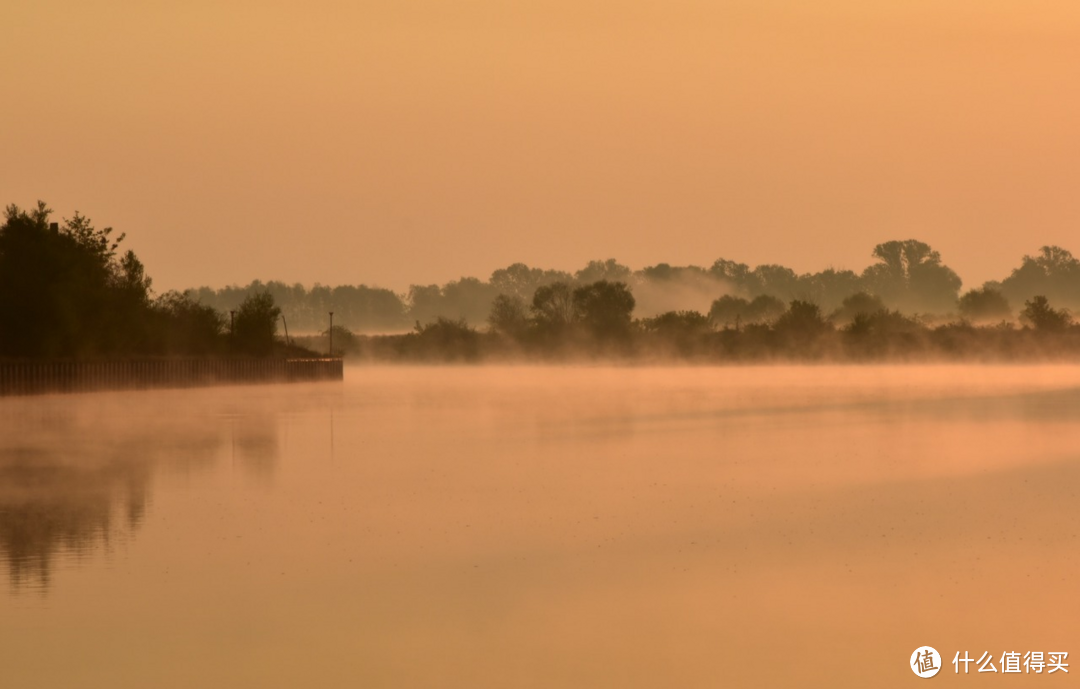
(41,377)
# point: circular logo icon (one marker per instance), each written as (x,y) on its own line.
(925,661)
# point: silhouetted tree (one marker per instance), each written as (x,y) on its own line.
(882,333)
(256,325)
(856,304)
(985,305)
(522,281)
(468,298)
(610,270)
(445,339)
(553,307)
(737,275)
(344,340)
(186,327)
(910,276)
(604,308)
(802,320)
(663,272)
(63,292)
(425,302)
(1053,273)
(359,307)
(729,311)
(764,308)
(677,322)
(828,288)
(355,306)
(508,315)
(678,332)
(1042,317)
(775,280)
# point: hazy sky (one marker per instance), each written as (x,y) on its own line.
(399,141)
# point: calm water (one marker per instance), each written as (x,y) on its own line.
(542,527)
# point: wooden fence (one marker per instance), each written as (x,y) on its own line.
(34,377)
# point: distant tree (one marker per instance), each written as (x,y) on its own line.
(604,308)
(522,281)
(858,303)
(985,305)
(553,307)
(737,275)
(358,307)
(446,339)
(678,332)
(764,308)
(256,325)
(881,322)
(882,333)
(362,308)
(1053,273)
(910,276)
(677,323)
(344,340)
(729,311)
(775,280)
(508,315)
(802,320)
(517,280)
(1042,317)
(610,270)
(828,288)
(663,272)
(424,302)
(320,302)
(468,298)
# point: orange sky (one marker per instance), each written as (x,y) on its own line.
(398,141)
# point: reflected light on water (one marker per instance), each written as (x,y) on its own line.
(517,526)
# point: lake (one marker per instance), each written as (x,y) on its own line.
(542,527)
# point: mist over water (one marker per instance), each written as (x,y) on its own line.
(541,526)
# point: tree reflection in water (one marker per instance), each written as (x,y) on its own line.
(75,474)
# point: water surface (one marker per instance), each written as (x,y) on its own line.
(542,527)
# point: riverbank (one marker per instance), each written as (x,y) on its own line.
(37,377)
(881,342)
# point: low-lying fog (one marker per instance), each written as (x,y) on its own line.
(541,527)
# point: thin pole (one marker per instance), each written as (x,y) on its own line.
(331,333)
(287,341)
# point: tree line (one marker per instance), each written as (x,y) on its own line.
(67,291)
(596,320)
(906,276)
